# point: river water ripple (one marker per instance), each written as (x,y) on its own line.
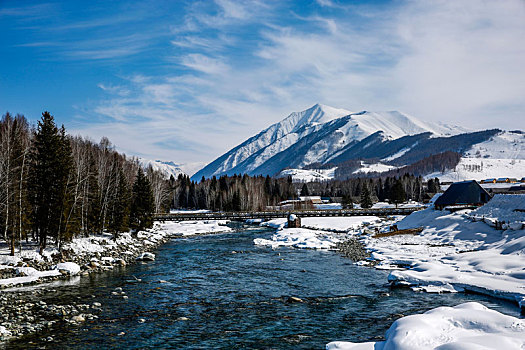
(222,291)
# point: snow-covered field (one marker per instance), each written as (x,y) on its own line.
(463,327)
(373,167)
(482,168)
(501,156)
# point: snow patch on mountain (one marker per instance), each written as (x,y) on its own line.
(373,167)
(505,145)
(314,175)
(399,153)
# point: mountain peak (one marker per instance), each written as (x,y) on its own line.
(314,135)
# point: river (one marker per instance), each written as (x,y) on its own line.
(222,291)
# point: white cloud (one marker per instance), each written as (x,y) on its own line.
(456,62)
(205,64)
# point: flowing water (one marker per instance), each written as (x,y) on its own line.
(222,291)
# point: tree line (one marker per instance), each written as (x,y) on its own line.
(255,193)
(57,186)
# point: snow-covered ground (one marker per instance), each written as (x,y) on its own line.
(466,326)
(455,253)
(373,167)
(482,168)
(188,228)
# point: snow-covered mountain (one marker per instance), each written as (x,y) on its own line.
(329,137)
(167,168)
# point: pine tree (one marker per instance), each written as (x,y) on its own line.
(366,201)
(347,202)
(142,205)
(398,194)
(120,206)
(50,166)
(304,190)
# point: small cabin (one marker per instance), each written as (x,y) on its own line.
(463,194)
(522,179)
(488,181)
(312,199)
(294,221)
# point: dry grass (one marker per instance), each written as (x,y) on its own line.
(410,231)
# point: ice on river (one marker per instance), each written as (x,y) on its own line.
(466,326)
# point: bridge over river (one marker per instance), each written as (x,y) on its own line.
(266,215)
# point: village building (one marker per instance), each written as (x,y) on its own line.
(461,195)
(488,181)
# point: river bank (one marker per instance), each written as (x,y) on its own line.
(28,277)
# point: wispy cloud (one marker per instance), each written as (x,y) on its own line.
(239,66)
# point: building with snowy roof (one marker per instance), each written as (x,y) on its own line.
(463,194)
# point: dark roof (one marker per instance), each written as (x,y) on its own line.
(464,192)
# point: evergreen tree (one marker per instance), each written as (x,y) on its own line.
(347,202)
(398,194)
(50,165)
(142,205)
(304,190)
(366,201)
(433,185)
(120,206)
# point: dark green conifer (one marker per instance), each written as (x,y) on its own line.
(142,205)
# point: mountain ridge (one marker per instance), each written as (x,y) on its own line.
(324,134)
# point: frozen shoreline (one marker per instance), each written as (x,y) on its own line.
(26,276)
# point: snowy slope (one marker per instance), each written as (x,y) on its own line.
(316,135)
(302,175)
(168,168)
(501,156)
(274,139)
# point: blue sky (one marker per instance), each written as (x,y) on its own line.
(188,80)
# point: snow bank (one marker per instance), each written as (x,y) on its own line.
(317,232)
(453,253)
(466,326)
(188,228)
(502,207)
(339,223)
(69,268)
(299,238)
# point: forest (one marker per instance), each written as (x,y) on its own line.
(56,186)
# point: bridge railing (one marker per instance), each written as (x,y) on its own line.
(282,214)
